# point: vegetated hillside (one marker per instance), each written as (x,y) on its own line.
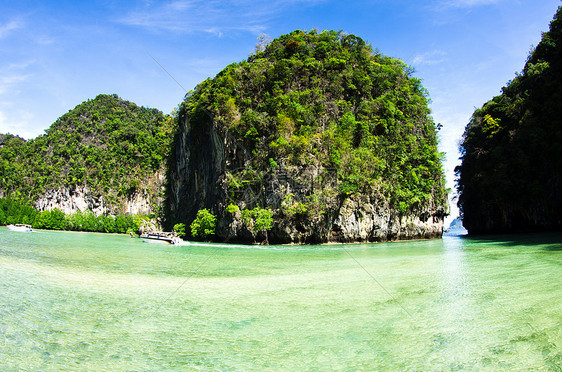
(107,155)
(334,138)
(510,179)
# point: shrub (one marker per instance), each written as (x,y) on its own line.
(232,208)
(204,224)
(258,219)
(179,228)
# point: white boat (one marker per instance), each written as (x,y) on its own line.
(20,227)
(161,237)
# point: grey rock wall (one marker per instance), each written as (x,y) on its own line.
(81,199)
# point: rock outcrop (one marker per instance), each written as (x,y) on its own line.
(336,141)
(206,160)
(106,156)
(71,201)
(82,199)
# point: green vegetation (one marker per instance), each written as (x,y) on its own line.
(511,172)
(109,145)
(179,228)
(15,211)
(232,208)
(320,114)
(204,225)
(323,100)
(258,220)
(290,207)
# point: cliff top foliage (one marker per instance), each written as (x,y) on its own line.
(325,100)
(511,172)
(107,144)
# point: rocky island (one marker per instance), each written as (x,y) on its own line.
(106,156)
(331,137)
(315,138)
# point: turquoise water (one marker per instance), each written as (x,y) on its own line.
(83,301)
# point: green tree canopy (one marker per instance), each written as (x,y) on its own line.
(204,225)
(324,101)
(110,145)
(511,172)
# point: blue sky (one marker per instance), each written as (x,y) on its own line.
(56,54)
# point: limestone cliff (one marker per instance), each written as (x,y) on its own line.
(82,199)
(335,139)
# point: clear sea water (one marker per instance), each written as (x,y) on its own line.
(84,301)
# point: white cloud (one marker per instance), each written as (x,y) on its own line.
(20,65)
(467,3)
(5,29)
(209,16)
(184,16)
(430,58)
(17,122)
(7,82)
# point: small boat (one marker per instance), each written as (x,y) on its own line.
(161,237)
(20,227)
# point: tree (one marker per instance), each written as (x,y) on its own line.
(263,42)
(511,171)
(263,219)
(179,228)
(204,224)
(258,220)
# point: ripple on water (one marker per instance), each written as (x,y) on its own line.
(95,302)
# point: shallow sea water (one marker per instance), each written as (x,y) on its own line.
(85,301)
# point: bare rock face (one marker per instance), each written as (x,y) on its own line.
(364,221)
(195,175)
(81,199)
(71,200)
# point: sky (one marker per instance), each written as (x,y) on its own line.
(56,54)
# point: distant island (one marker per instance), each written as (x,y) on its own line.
(99,167)
(456,224)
